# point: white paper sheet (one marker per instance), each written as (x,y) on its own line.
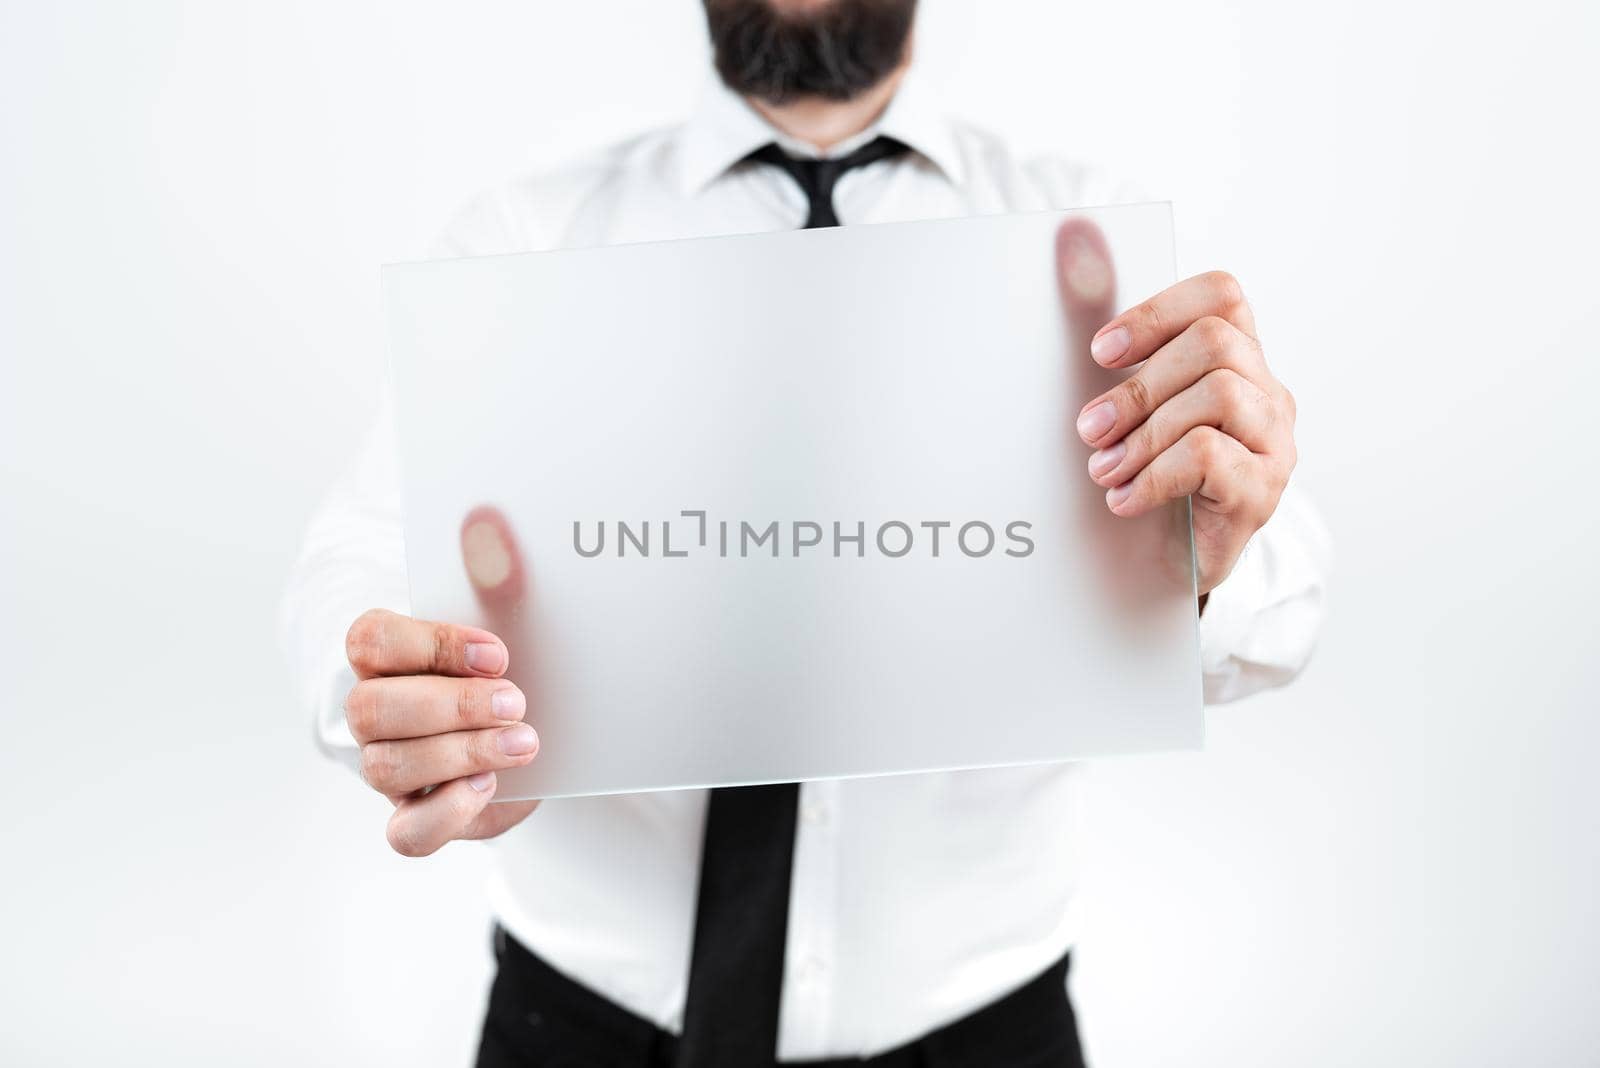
(884,378)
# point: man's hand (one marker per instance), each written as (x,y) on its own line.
(433,716)
(1202,416)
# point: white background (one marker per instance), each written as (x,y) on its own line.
(1395,861)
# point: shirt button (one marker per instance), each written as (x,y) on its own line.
(814,813)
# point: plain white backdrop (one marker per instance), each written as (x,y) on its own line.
(1394,862)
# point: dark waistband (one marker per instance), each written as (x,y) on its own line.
(1036,1017)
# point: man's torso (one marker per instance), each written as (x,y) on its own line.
(916,898)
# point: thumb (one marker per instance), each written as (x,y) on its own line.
(494,565)
(1088,280)
(499,577)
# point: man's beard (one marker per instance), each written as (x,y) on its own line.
(836,51)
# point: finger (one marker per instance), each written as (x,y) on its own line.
(414,706)
(1222,399)
(399,766)
(387,643)
(1209,344)
(496,818)
(419,826)
(494,564)
(1087,277)
(1205,462)
(1142,329)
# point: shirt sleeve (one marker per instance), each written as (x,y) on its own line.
(353,555)
(352,559)
(1260,624)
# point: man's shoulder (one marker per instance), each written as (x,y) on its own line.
(1064,182)
(1043,180)
(531,211)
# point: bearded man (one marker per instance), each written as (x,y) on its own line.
(909,920)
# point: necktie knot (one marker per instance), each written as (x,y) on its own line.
(817,177)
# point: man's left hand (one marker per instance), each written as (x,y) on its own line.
(1203,416)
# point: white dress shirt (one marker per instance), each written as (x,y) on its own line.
(916,898)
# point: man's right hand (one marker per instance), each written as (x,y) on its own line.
(435,720)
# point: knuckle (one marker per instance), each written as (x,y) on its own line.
(364,641)
(406,837)
(444,658)
(1151,319)
(1143,444)
(472,703)
(1166,482)
(1137,393)
(1151,437)
(379,766)
(478,750)
(1225,288)
(1205,446)
(464,806)
(361,712)
(1215,334)
(1229,388)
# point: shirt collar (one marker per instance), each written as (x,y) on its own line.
(723,129)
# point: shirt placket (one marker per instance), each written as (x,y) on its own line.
(810,954)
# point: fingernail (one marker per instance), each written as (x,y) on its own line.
(1104,461)
(486,554)
(1117,494)
(508,703)
(1097,420)
(519,740)
(1108,345)
(481,781)
(488,657)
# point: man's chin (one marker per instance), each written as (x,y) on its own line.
(783,51)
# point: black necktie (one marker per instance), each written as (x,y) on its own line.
(730,1017)
(817,176)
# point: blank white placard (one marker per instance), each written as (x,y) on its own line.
(895,376)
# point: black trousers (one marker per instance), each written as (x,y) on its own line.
(538,1018)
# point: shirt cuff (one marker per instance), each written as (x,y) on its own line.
(1260,625)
